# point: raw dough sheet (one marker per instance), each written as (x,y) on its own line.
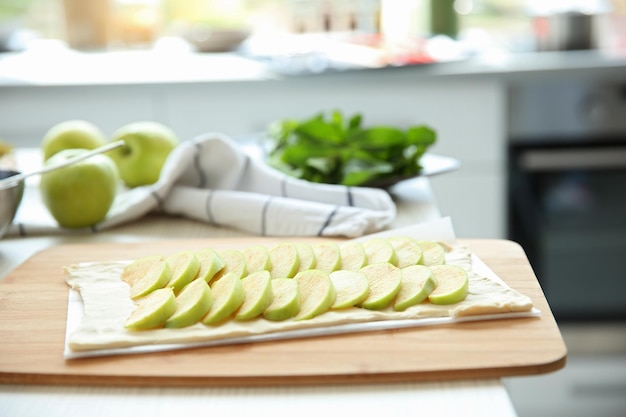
(99,303)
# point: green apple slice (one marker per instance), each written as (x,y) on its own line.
(317,293)
(185,266)
(353,256)
(228,295)
(156,277)
(138,268)
(452,284)
(152,311)
(285,301)
(285,260)
(418,282)
(258,295)
(351,287)
(379,250)
(192,303)
(234,262)
(408,250)
(327,256)
(210,264)
(257,258)
(432,253)
(306,255)
(384,281)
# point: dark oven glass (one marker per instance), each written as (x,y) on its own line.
(567,208)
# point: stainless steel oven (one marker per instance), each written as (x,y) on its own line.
(567,194)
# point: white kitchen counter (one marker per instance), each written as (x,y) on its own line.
(61,66)
(470,398)
(416,203)
(53,64)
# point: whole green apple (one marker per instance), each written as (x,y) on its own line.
(81,194)
(147,146)
(71,134)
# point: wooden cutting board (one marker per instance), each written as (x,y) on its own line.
(33,311)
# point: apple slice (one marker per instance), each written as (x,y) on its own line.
(384,281)
(327,256)
(210,264)
(257,258)
(285,301)
(351,288)
(306,255)
(157,276)
(418,282)
(285,260)
(228,295)
(185,266)
(152,311)
(353,256)
(234,262)
(138,268)
(408,250)
(258,295)
(317,293)
(432,253)
(192,303)
(379,250)
(452,284)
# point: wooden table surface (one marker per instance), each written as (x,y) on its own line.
(480,349)
(479,397)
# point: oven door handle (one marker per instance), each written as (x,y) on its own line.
(573,159)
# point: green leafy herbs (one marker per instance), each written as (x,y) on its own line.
(335,150)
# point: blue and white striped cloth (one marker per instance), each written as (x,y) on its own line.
(214,179)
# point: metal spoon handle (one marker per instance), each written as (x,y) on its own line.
(48,168)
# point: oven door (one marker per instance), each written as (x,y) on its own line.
(567,208)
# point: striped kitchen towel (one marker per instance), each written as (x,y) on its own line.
(213,179)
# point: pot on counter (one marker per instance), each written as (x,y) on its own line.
(566,31)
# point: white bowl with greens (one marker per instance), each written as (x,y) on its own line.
(334,149)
